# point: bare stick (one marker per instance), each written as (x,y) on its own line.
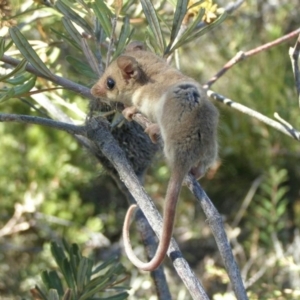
(294,55)
(70,128)
(216,225)
(288,130)
(243,55)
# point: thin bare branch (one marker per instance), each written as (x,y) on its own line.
(243,55)
(70,128)
(294,55)
(216,225)
(288,130)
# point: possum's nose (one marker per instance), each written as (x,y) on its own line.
(98,90)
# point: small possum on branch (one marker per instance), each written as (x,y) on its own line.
(181,113)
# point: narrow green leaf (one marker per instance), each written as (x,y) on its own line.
(95,282)
(73,16)
(153,22)
(53,295)
(25,88)
(27,51)
(46,279)
(180,12)
(64,37)
(58,254)
(73,32)
(121,296)
(68,274)
(81,67)
(7,94)
(195,4)
(123,37)
(76,251)
(20,68)
(18,91)
(207,28)
(105,264)
(19,79)
(189,31)
(81,273)
(56,282)
(93,291)
(103,15)
(2,47)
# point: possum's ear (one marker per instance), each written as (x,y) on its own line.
(135,45)
(128,66)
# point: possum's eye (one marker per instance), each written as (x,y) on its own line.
(110,83)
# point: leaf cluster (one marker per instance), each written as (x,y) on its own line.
(78,279)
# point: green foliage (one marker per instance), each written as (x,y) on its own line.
(79,279)
(268,211)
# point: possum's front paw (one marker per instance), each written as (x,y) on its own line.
(128,112)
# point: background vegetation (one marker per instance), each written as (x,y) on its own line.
(51,188)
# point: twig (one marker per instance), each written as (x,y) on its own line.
(294,55)
(13,225)
(243,55)
(70,128)
(216,225)
(239,215)
(232,6)
(288,130)
(100,134)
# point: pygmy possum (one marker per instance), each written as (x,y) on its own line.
(181,113)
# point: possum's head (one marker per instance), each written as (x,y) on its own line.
(120,80)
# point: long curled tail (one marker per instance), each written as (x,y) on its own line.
(171,201)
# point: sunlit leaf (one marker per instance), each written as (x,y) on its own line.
(20,68)
(27,51)
(18,91)
(104,15)
(19,79)
(104,265)
(118,6)
(207,28)
(73,16)
(96,289)
(181,9)
(73,32)
(154,23)
(190,29)
(63,36)
(81,67)
(92,60)
(123,37)
(53,295)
